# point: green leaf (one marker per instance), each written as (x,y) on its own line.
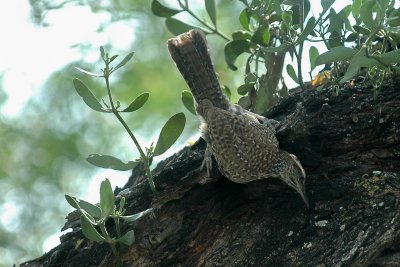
(110,162)
(137,103)
(313,54)
(307,30)
(121,204)
(361,30)
(124,61)
(107,200)
(352,37)
(87,96)
(177,27)
(226,91)
(355,8)
(89,231)
(102,53)
(389,58)
(291,72)
(245,102)
(261,37)
(339,53)
(355,64)
(366,14)
(128,238)
(91,209)
(326,4)
(137,216)
(233,49)
(250,78)
(188,102)
(210,8)
(72,201)
(241,35)
(334,40)
(170,133)
(245,88)
(162,11)
(244,19)
(88,72)
(113,58)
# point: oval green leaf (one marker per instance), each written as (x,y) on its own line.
(211,11)
(177,27)
(89,231)
(313,54)
(128,238)
(307,30)
(261,37)
(244,19)
(339,53)
(245,88)
(245,102)
(292,73)
(124,61)
(87,96)
(137,216)
(359,60)
(170,133)
(107,200)
(188,101)
(226,91)
(110,162)
(366,14)
(241,35)
(102,53)
(113,58)
(233,49)
(93,210)
(72,201)
(137,103)
(355,8)
(162,11)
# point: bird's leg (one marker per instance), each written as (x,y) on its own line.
(207,161)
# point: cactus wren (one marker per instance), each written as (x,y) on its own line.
(243,143)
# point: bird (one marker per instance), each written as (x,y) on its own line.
(243,143)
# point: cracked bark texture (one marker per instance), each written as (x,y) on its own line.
(349,145)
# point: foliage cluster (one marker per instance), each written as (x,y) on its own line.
(92,215)
(169,133)
(364,34)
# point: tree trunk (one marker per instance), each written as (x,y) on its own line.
(349,144)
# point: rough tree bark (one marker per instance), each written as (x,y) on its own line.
(349,144)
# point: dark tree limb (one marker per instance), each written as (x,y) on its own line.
(349,145)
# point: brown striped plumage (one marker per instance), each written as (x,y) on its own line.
(244,147)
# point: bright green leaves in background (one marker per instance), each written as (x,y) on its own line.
(94,217)
(272,29)
(374,21)
(177,26)
(169,133)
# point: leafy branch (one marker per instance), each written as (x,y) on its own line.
(169,134)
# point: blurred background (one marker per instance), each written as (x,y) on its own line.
(46,131)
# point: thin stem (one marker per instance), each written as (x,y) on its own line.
(110,241)
(208,26)
(143,156)
(117,227)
